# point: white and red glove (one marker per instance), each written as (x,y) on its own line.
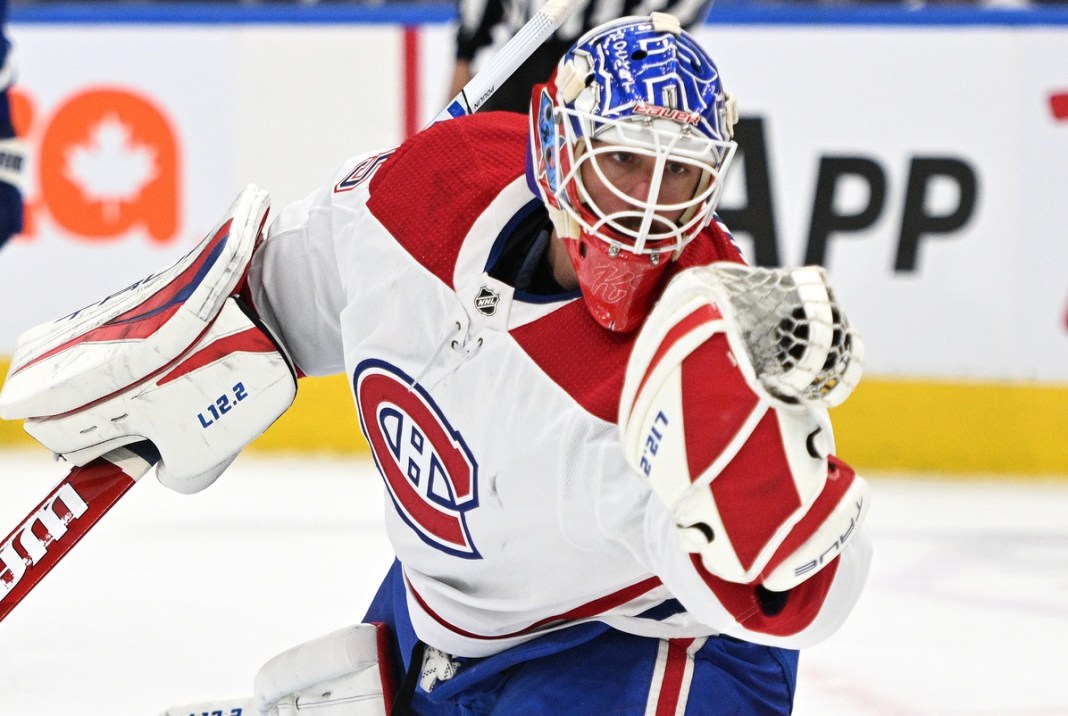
(175,359)
(724,414)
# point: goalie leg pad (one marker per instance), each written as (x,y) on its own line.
(344,673)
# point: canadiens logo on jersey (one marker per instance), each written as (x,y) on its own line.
(428,469)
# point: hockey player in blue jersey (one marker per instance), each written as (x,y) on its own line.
(12,153)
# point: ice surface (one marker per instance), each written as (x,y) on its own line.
(172,598)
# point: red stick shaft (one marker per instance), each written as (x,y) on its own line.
(62,518)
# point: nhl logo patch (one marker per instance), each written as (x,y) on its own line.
(486,301)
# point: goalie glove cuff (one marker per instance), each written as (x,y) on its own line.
(823,532)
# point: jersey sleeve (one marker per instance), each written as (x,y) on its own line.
(295,286)
(805,615)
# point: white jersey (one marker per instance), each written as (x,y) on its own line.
(491,413)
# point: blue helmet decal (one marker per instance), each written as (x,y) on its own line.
(636,70)
(550,141)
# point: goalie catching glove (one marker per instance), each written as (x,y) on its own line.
(174,359)
(723,412)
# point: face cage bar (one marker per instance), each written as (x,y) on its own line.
(678,143)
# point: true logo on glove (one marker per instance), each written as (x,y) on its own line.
(836,547)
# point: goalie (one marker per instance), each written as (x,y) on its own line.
(603,439)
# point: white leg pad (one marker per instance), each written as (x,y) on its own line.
(342,673)
(220,707)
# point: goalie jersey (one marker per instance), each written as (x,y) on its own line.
(489,403)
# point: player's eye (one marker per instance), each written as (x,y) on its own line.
(678,168)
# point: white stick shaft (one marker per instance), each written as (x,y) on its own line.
(515,52)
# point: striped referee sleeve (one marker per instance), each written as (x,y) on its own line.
(479,19)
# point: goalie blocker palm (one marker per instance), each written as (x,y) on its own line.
(173,359)
(734,438)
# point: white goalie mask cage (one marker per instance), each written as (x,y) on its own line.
(639,87)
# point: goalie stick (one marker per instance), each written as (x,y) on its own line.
(86,494)
(514,53)
(68,512)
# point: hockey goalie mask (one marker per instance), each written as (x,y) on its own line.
(630,139)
